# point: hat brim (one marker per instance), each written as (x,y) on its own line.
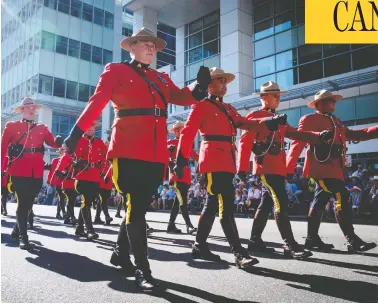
(228,76)
(172,130)
(20,109)
(270,92)
(335,97)
(126,43)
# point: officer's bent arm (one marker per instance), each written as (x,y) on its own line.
(181,97)
(188,133)
(306,136)
(49,138)
(98,101)
(362,134)
(296,147)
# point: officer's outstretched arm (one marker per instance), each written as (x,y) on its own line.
(362,134)
(188,133)
(108,81)
(306,136)
(50,140)
(296,148)
(5,141)
(245,149)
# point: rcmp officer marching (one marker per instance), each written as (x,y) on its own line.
(104,193)
(325,163)
(88,161)
(269,163)
(22,142)
(181,185)
(4,188)
(55,182)
(138,147)
(217,123)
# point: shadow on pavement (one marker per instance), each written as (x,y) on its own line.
(355,291)
(83,269)
(344,264)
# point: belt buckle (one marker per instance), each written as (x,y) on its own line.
(92,164)
(233,139)
(282,146)
(32,150)
(157,111)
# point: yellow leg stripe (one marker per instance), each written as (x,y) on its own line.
(100,197)
(221,206)
(128,214)
(82,201)
(17,201)
(321,183)
(75,185)
(209,183)
(9,185)
(179,196)
(277,205)
(67,199)
(115,174)
(338,201)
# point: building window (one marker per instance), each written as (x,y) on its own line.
(64,6)
(45,85)
(30,51)
(201,42)
(107,56)
(83,92)
(98,16)
(92,90)
(127,31)
(87,12)
(48,41)
(37,41)
(125,55)
(62,124)
(280,52)
(168,55)
(96,54)
(50,4)
(85,51)
(71,90)
(61,45)
(73,48)
(59,87)
(34,84)
(76,8)
(109,20)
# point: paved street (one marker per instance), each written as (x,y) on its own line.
(63,268)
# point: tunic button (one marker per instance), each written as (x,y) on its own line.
(131,80)
(152,92)
(156,120)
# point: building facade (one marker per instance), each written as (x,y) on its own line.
(262,40)
(54,51)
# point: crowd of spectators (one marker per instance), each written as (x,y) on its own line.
(362,185)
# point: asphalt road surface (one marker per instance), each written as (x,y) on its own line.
(63,268)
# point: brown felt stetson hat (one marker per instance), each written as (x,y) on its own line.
(219,73)
(144,34)
(270,87)
(176,125)
(27,101)
(324,94)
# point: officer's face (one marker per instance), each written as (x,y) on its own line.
(272,101)
(144,51)
(326,105)
(218,87)
(91,130)
(29,112)
(177,132)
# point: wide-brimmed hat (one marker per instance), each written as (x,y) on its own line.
(355,174)
(144,34)
(270,87)
(323,94)
(27,101)
(97,124)
(176,125)
(219,73)
(375,177)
